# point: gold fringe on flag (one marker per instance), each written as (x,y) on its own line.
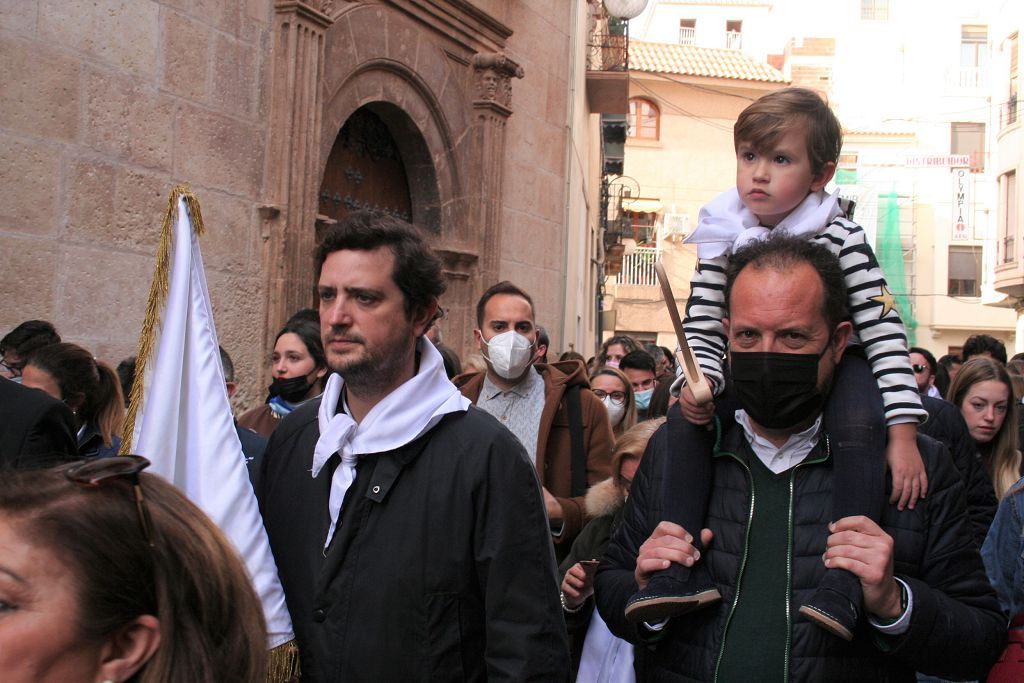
(283,664)
(156,302)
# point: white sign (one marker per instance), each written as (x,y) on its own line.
(939,161)
(963,213)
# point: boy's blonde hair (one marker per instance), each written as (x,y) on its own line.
(763,122)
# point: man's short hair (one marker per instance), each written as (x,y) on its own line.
(29,336)
(781,252)
(638,360)
(417,270)
(978,344)
(542,335)
(949,360)
(503,287)
(766,120)
(226,365)
(928,357)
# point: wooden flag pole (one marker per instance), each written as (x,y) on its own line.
(691,368)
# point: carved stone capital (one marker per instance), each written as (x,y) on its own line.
(492,78)
(315,11)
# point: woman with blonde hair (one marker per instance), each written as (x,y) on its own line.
(983,391)
(615,391)
(596,653)
(110,574)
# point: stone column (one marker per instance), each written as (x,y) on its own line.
(492,105)
(293,174)
(459,300)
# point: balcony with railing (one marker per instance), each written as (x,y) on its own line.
(608,67)
(638,268)
(733,40)
(1009,112)
(966,78)
(687,35)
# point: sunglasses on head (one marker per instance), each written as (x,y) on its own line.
(93,473)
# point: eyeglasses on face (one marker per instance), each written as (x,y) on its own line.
(918,369)
(93,473)
(12,368)
(617,397)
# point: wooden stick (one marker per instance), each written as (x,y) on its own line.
(691,368)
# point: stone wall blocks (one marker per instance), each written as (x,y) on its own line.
(235,77)
(115,206)
(232,228)
(39,90)
(91,210)
(103,293)
(28,287)
(369,20)
(219,152)
(30,178)
(123,33)
(223,14)
(185,49)
(127,121)
(19,16)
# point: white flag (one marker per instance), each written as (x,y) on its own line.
(180,410)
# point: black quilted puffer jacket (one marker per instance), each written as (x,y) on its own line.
(956,631)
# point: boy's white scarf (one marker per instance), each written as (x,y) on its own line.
(403,416)
(725,224)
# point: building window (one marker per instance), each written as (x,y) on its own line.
(644,227)
(734,34)
(687,31)
(969,138)
(973,56)
(964,271)
(643,119)
(874,10)
(1008,210)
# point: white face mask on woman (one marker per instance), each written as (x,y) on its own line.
(616,411)
(510,354)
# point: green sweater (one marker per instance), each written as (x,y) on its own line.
(757,632)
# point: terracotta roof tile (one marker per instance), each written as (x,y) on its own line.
(690,60)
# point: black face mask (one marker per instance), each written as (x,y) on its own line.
(292,389)
(778,390)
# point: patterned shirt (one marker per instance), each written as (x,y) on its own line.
(519,408)
(877,325)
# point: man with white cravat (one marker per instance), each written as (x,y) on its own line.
(408,526)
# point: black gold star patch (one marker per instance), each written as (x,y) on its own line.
(886,299)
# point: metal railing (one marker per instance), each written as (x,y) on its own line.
(966,77)
(1008,112)
(638,267)
(733,40)
(687,35)
(608,52)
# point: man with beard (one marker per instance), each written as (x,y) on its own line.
(927,605)
(408,526)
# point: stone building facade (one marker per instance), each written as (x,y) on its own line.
(284,115)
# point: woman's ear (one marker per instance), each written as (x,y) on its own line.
(129,649)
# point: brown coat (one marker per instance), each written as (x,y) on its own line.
(554,446)
(261,420)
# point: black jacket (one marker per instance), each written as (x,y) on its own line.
(956,629)
(946,424)
(441,568)
(36,430)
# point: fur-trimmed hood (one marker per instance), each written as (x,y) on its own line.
(603,498)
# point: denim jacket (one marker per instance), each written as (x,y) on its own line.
(1003,551)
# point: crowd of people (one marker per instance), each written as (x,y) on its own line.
(846,508)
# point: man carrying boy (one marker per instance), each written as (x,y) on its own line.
(787,144)
(770,535)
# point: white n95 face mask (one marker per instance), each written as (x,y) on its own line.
(616,411)
(510,353)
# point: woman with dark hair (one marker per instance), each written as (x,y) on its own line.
(984,393)
(108,574)
(298,366)
(90,389)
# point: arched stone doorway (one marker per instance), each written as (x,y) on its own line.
(380,162)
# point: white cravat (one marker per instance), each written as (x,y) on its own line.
(725,224)
(401,417)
